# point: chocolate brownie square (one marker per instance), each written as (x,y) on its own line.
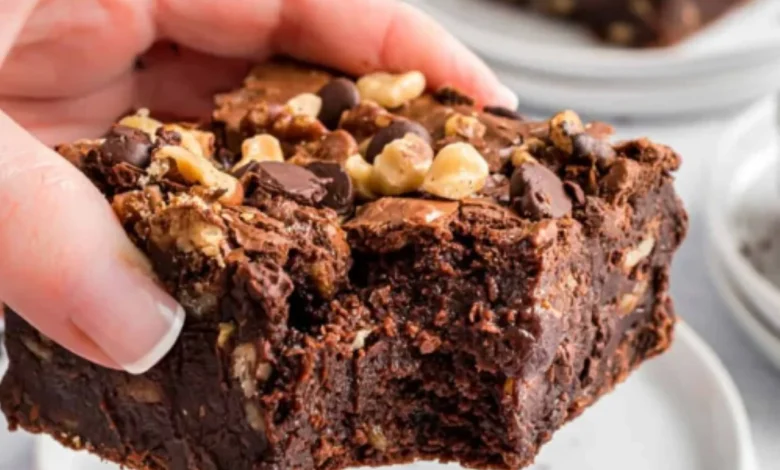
(372,274)
(639,23)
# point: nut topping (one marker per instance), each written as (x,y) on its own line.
(307,104)
(563,127)
(260,148)
(524,153)
(642,251)
(391,91)
(467,127)
(402,165)
(141,121)
(188,139)
(196,169)
(244,365)
(360,171)
(457,172)
(396,130)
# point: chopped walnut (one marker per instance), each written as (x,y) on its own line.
(197,169)
(37,348)
(225,332)
(391,91)
(360,339)
(244,368)
(254,417)
(142,390)
(188,229)
(642,251)
(376,437)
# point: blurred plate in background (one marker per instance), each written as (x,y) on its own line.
(554,65)
(743,216)
(508,34)
(653,98)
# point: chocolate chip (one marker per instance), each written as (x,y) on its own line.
(575,192)
(449,96)
(226,158)
(292,181)
(338,95)
(168,136)
(537,192)
(497,187)
(251,167)
(397,130)
(598,151)
(337,182)
(503,112)
(127,145)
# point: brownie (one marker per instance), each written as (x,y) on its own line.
(639,23)
(372,274)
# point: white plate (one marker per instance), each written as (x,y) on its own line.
(743,204)
(651,98)
(748,317)
(506,33)
(678,412)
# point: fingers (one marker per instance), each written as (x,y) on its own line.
(14,15)
(356,36)
(67,266)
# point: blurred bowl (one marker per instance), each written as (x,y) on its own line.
(743,207)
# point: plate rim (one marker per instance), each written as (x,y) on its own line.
(723,241)
(617,98)
(747,318)
(733,398)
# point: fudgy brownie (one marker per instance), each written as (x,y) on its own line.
(639,22)
(372,274)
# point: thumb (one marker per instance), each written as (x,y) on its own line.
(67,266)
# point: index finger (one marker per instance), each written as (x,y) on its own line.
(355,36)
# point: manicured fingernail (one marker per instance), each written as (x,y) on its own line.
(130,317)
(508,97)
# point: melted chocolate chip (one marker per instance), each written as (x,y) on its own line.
(598,151)
(127,145)
(292,181)
(497,187)
(226,158)
(168,136)
(341,195)
(397,130)
(449,96)
(338,95)
(538,193)
(251,167)
(503,112)
(575,192)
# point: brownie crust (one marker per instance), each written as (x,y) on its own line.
(339,322)
(639,23)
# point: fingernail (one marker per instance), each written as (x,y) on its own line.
(508,97)
(130,317)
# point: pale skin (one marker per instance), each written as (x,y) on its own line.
(67,72)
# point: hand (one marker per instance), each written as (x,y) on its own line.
(67,72)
